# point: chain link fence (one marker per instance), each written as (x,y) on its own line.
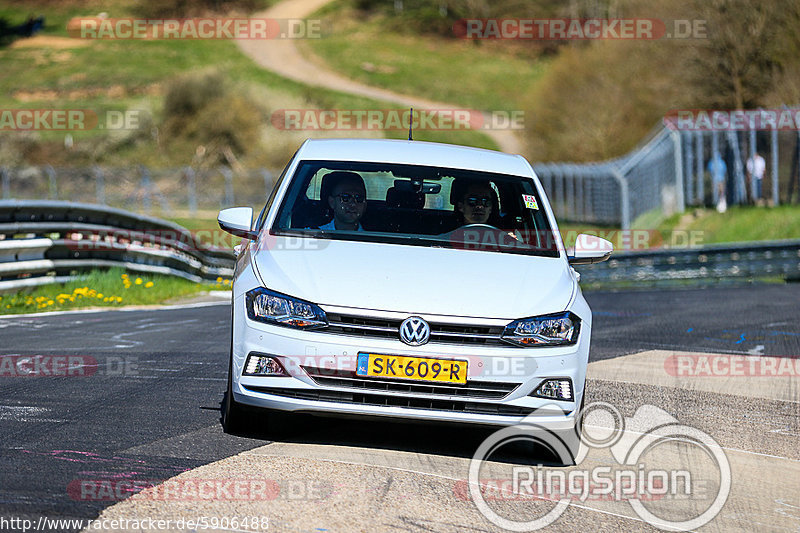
(141,189)
(669,171)
(666,173)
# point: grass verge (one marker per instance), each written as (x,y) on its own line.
(54,71)
(446,70)
(738,224)
(110,288)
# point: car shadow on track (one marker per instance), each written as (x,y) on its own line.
(429,438)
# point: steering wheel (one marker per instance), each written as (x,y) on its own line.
(476,226)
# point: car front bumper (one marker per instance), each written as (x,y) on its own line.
(517,370)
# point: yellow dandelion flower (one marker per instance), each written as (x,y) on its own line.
(226,282)
(148,284)
(138,281)
(50,302)
(106,299)
(219,279)
(119,299)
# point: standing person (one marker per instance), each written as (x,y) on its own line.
(756,166)
(719,173)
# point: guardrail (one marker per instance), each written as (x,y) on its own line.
(718,261)
(45,242)
(52,242)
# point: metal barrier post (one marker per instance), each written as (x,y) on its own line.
(774,165)
(100,185)
(147,203)
(624,198)
(688,168)
(698,148)
(6,183)
(752,157)
(680,203)
(191,189)
(228,174)
(714,152)
(51,175)
(269,181)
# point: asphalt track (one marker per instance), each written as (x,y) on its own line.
(149,412)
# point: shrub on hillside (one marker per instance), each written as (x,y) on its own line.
(205,109)
(194,8)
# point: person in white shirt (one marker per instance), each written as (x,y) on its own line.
(756,166)
(347,200)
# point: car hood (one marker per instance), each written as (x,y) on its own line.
(416,279)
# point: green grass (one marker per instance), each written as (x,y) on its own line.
(109,288)
(447,70)
(738,224)
(129,74)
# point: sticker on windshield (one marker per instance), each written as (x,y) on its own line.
(530,201)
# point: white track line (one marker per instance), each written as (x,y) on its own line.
(117,309)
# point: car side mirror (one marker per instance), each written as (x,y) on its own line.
(238,221)
(589,249)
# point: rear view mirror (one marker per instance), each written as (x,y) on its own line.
(237,221)
(589,249)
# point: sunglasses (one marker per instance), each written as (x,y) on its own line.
(473,201)
(346,198)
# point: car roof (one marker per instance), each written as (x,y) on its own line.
(414,153)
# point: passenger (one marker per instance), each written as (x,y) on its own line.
(476,204)
(346,198)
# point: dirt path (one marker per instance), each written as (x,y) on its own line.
(282,57)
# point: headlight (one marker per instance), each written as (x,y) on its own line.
(264,305)
(550,330)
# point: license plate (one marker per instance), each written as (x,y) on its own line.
(412,368)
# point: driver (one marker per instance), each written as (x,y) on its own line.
(346,200)
(475,205)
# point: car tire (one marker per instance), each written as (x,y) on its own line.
(571,439)
(233,414)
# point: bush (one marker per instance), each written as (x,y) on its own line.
(205,109)
(194,8)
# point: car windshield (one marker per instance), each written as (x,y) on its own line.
(416,205)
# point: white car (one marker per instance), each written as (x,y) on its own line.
(411,280)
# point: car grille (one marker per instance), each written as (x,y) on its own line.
(433,404)
(488,390)
(363,326)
